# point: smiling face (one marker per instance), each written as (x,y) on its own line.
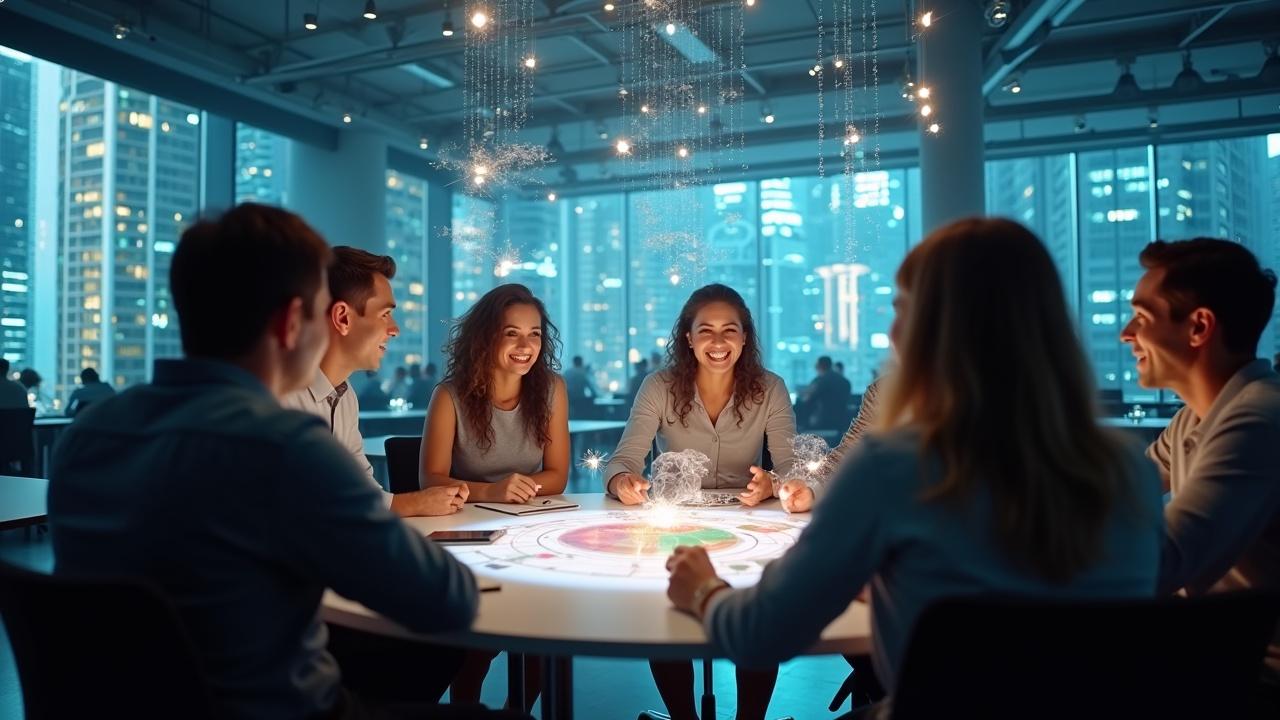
(368,333)
(716,337)
(519,340)
(1161,345)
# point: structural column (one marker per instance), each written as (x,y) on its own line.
(342,193)
(951,160)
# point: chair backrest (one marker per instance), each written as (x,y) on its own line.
(1018,658)
(17,444)
(99,648)
(402,462)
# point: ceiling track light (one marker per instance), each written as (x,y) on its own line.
(1013,85)
(346,118)
(997,13)
(370,10)
(1188,80)
(1080,125)
(609,7)
(423,144)
(121,29)
(309,21)
(1126,84)
(766,115)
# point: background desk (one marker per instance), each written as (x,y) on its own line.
(23,501)
(565,615)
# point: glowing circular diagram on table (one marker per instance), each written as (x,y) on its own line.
(613,546)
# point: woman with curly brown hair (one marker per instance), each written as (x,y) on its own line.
(499,422)
(714,396)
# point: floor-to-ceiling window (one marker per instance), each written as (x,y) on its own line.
(97,182)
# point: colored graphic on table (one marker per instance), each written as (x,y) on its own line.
(627,544)
(645,539)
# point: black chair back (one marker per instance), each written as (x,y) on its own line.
(17,443)
(99,648)
(402,462)
(1017,658)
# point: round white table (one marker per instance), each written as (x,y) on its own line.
(560,615)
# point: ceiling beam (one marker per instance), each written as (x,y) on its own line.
(1199,27)
(1224,89)
(1024,36)
(545,26)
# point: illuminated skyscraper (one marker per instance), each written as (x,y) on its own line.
(129,185)
(407,243)
(16,197)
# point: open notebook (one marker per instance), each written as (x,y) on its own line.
(533,507)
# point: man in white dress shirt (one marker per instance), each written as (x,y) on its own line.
(360,326)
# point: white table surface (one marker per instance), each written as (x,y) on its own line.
(374,446)
(583,616)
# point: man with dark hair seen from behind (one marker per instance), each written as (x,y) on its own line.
(252,509)
(91,390)
(360,324)
(1198,313)
(12,395)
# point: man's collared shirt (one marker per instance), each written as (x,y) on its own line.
(340,410)
(242,513)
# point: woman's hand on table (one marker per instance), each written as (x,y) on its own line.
(514,488)
(759,488)
(796,496)
(629,488)
(693,579)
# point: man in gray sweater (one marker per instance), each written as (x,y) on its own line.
(1198,313)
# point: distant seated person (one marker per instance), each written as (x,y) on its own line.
(371,395)
(970,485)
(397,387)
(824,402)
(1198,313)
(637,379)
(361,323)
(91,390)
(252,510)
(12,395)
(30,381)
(421,385)
(582,392)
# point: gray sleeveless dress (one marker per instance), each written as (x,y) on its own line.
(512,451)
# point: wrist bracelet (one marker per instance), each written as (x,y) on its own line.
(704,592)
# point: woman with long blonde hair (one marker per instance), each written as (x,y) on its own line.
(987,472)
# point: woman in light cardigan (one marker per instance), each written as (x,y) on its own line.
(714,396)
